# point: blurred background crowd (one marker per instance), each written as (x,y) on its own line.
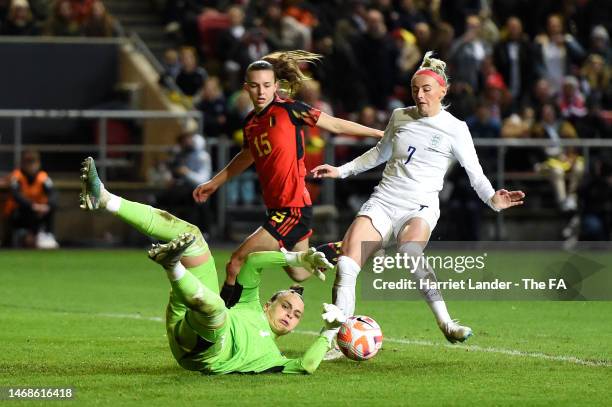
(55,17)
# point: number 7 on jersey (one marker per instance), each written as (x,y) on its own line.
(411,151)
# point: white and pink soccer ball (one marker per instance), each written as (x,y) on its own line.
(360,338)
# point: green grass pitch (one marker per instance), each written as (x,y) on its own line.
(91,320)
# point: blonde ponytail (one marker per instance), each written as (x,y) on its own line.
(287,68)
(433,64)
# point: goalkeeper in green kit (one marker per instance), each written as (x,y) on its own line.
(203,334)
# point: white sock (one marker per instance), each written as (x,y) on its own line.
(177,272)
(344,286)
(440,312)
(423,272)
(113,203)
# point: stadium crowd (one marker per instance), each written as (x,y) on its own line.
(64,18)
(518,69)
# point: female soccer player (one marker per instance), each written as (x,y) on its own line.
(203,334)
(274,141)
(419,144)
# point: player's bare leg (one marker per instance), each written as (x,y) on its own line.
(354,254)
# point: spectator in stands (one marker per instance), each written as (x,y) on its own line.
(495,93)
(424,39)
(240,189)
(63,22)
(99,23)
(377,56)
(19,20)
(284,32)
(410,14)
(467,54)
(595,207)
(561,161)
(172,67)
(520,126)
(557,52)
(571,102)
(456,12)
(596,80)
(253,47)
(339,74)
(408,55)
(82,9)
(482,124)
(190,166)
(191,76)
(461,100)
(212,104)
(443,40)
(31,206)
(489,30)
(600,43)
(231,39)
(543,94)
(315,138)
(513,58)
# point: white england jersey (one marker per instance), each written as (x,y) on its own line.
(418,151)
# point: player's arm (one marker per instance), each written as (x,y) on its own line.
(333,317)
(341,126)
(465,153)
(375,156)
(249,277)
(237,165)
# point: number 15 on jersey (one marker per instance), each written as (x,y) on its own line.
(262,144)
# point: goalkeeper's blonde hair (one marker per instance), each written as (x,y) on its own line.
(436,65)
(286,67)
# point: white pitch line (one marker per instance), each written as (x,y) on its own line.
(501,351)
(419,342)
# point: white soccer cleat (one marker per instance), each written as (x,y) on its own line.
(334,353)
(456,333)
(169,254)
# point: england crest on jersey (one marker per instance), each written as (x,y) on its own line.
(435,141)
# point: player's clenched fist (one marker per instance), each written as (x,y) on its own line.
(203,191)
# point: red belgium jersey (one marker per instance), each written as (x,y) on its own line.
(275,139)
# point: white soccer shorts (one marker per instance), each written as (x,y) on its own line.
(389,218)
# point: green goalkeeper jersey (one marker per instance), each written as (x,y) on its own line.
(247,343)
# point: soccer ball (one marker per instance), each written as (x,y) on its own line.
(359,338)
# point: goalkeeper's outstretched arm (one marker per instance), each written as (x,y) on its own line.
(310,361)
